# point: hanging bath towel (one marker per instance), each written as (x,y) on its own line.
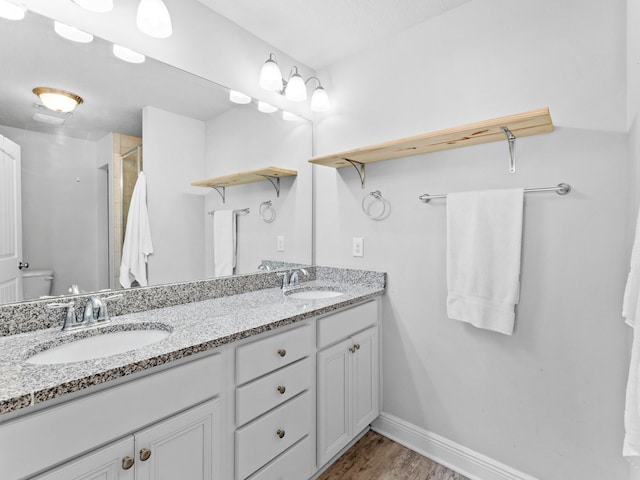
(484,239)
(137,239)
(224,242)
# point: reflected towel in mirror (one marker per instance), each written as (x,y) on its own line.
(224,242)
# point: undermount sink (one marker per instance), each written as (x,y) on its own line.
(313,294)
(98,346)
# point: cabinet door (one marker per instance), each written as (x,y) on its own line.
(333,400)
(185,446)
(104,464)
(365,377)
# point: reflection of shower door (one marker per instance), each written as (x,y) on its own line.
(10,222)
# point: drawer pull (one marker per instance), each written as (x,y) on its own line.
(282,389)
(127,463)
(282,352)
(280,433)
(145,453)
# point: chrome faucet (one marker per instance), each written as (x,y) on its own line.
(95,312)
(293,280)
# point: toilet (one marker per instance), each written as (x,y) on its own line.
(37,283)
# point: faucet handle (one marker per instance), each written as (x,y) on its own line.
(70,319)
(104,311)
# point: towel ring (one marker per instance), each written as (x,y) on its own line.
(267,212)
(367,205)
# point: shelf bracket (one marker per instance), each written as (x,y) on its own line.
(275,181)
(512,148)
(221,192)
(359,168)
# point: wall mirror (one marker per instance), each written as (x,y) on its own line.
(78,169)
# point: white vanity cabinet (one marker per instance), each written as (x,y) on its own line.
(182,446)
(347,377)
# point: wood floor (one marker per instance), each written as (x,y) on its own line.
(375,457)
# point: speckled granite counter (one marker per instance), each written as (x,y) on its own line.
(195,327)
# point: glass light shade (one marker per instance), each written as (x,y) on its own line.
(58,100)
(290,117)
(270,76)
(127,55)
(11,11)
(72,33)
(153,19)
(239,97)
(98,6)
(265,107)
(320,100)
(296,90)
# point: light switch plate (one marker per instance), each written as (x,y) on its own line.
(280,243)
(358,247)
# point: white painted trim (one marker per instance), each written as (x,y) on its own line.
(463,460)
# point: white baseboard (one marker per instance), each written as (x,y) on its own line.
(469,463)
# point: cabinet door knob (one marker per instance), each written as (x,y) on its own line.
(127,463)
(280,433)
(145,453)
(282,389)
(352,349)
(357,346)
(282,352)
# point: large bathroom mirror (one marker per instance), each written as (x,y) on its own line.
(78,170)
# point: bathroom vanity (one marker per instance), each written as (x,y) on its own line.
(255,385)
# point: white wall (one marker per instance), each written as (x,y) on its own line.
(547,401)
(174,156)
(59,204)
(244,139)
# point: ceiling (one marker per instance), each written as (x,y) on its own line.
(319,33)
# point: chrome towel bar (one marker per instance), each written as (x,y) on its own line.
(561,189)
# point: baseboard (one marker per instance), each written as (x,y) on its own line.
(469,463)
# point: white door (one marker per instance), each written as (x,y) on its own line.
(10,222)
(365,379)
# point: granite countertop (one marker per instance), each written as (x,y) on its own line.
(195,327)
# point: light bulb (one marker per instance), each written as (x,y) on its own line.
(98,6)
(153,19)
(296,90)
(320,100)
(290,117)
(239,97)
(265,107)
(128,55)
(72,33)
(270,76)
(11,11)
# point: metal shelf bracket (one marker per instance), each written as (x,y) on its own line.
(512,148)
(275,181)
(359,168)
(221,192)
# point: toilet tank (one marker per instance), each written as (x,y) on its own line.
(37,283)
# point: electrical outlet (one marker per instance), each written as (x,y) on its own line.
(280,243)
(358,247)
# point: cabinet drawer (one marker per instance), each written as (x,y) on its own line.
(263,356)
(261,441)
(294,464)
(337,326)
(259,396)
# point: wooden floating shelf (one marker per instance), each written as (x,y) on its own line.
(249,176)
(520,125)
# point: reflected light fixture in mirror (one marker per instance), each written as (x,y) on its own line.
(239,97)
(290,117)
(265,107)
(72,33)
(127,55)
(58,100)
(98,6)
(11,11)
(153,19)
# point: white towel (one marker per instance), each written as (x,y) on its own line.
(631,445)
(137,238)
(224,242)
(484,239)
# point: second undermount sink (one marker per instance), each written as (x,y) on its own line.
(313,293)
(98,346)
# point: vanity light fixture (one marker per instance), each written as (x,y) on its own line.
(127,55)
(12,11)
(153,19)
(239,97)
(294,89)
(98,6)
(72,33)
(58,100)
(290,117)
(265,107)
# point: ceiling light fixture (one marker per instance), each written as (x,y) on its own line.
(11,11)
(58,100)
(294,89)
(153,19)
(290,117)
(72,33)
(127,55)
(265,107)
(98,6)
(239,97)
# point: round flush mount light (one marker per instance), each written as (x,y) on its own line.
(72,33)
(58,100)
(153,19)
(239,97)
(11,11)
(98,6)
(127,55)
